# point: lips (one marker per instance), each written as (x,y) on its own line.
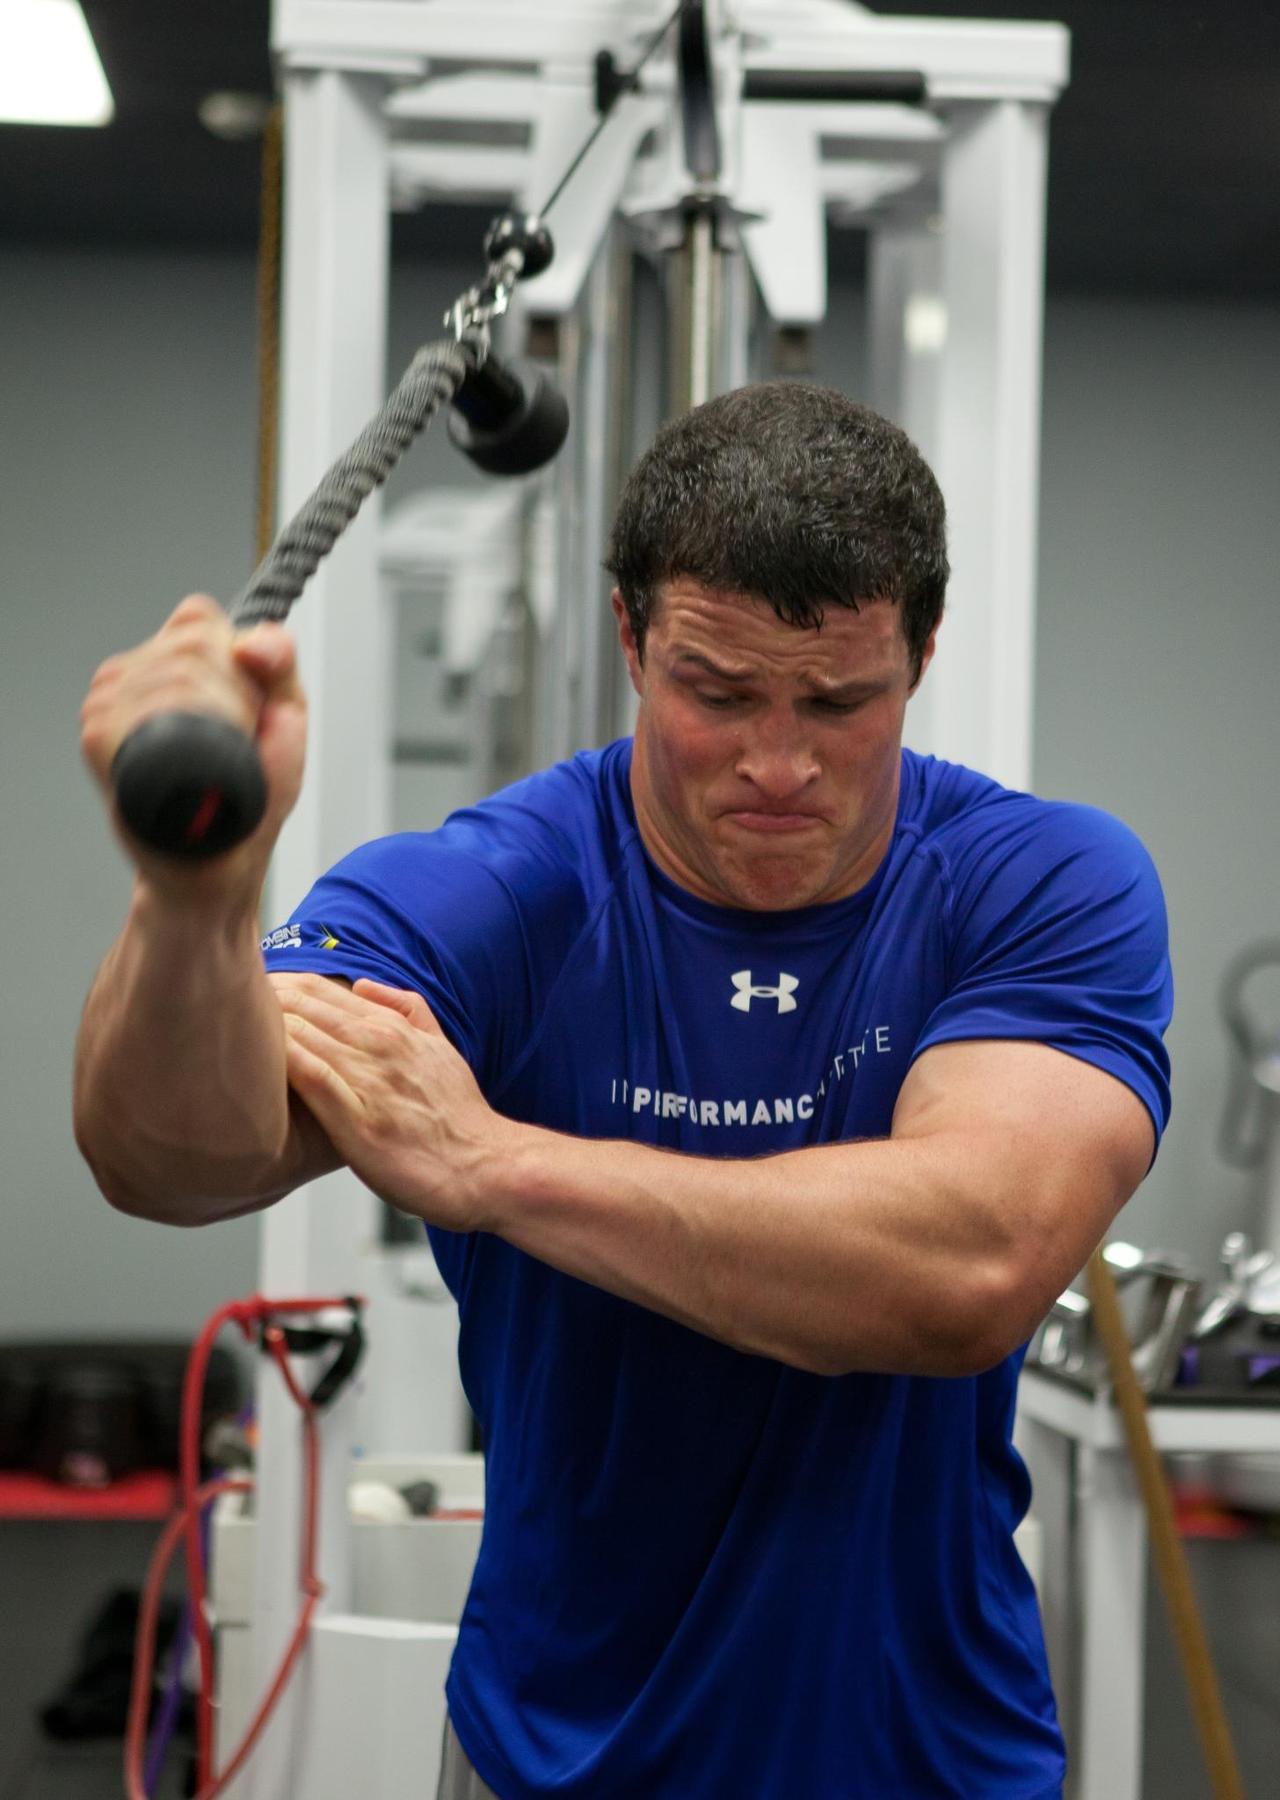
(753,820)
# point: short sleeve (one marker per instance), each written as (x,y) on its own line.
(1057,932)
(417,912)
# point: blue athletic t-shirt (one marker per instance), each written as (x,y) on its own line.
(706,1575)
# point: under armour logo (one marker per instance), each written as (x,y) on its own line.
(787,985)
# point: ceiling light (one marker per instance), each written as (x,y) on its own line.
(233,116)
(49,70)
(924,325)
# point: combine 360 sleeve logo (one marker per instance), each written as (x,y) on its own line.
(289,937)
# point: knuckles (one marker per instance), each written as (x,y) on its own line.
(189,670)
(195,607)
(298,982)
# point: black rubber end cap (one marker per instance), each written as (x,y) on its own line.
(530,437)
(189,786)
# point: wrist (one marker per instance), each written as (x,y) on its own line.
(196,941)
(513,1169)
(186,902)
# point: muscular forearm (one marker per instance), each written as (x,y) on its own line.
(181,1104)
(840,1257)
(934,1251)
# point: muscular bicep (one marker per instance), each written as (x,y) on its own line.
(1049,1146)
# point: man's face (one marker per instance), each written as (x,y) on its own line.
(766,761)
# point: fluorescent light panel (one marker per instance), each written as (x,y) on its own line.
(49,69)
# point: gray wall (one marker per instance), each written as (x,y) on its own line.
(1158,664)
(127,467)
(126,451)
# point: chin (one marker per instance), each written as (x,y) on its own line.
(777,889)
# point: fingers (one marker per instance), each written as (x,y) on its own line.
(345,1056)
(303,982)
(185,667)
(195,607)
(314,1076)
(194,663)
(396,1100)
(321,1005)
(197,663)
(346,1013)
(268,654)
(405,1001)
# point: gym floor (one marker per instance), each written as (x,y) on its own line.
(54,1576)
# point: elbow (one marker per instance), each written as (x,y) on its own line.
(117,1192)
(168,1181)
(996,1316)
(167,1207)
(921,1347)
(109,1183)
(134,1202)
(962,1331)
(92,1142)
(115,1189)
(160,1204)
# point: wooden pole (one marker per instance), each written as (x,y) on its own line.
(269,330)
(1172,1568)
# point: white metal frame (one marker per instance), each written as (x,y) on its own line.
(354,72)
(1094,1555)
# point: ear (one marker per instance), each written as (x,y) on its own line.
(931,644)
(627,638)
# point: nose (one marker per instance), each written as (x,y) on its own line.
(777,759)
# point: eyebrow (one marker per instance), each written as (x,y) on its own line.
(721,671)
(844,690)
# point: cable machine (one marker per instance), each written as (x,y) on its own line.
(690,237)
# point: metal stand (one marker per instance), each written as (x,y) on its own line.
(335,286)
(1095,1554)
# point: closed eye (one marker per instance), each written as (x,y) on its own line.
(817,703)
(836,708)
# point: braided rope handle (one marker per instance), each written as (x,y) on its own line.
(430,382)
(192,787)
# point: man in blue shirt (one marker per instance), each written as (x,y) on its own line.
(760,1084)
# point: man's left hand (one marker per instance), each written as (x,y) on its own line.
(398,1103)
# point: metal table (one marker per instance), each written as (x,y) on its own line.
(1095,1548)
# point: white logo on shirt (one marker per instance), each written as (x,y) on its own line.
(284,937)
(787,985)
(751,1109)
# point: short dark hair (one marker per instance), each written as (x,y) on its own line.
(790,493)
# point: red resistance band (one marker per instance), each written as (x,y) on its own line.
(252,1316)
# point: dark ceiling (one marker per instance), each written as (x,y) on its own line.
(1164,157)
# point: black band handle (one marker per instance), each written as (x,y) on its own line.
(907,87)
(189,786)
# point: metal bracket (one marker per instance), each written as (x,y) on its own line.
(518,247)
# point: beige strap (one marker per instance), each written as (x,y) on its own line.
(1170,1554)
(269,329)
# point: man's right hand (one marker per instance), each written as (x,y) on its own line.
(197,662)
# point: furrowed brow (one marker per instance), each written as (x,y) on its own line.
(843,691)
(721,671)
(840,692)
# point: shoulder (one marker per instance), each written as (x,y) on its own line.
(481,915)
(1054,930)
(568,818)
(983,834)
(542,849)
